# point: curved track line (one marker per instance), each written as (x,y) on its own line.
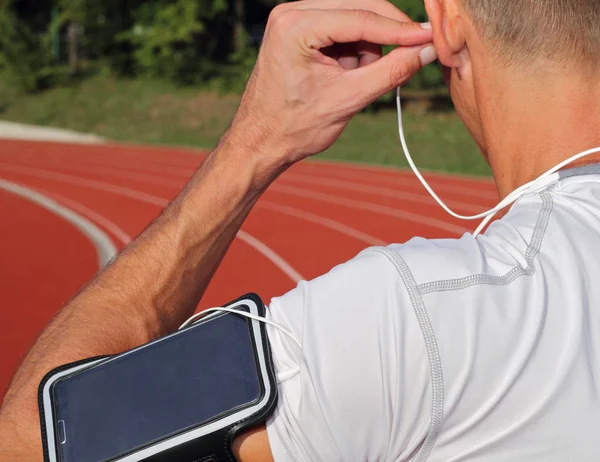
(91,214)
(146,167)
(327,222)
(372,207)
(365,166)
(255,243)
(117,172)
(191,158)
(103,244)
(271,255)
(424,199)
(444,184)
(291,211)
(323,197)
(187,162)
(86,183)
(418,198)
(326,176)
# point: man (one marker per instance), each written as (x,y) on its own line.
(481,348)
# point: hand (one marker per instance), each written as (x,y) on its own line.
(320,64)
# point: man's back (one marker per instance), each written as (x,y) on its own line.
(471,349)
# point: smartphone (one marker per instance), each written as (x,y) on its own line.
(148,401)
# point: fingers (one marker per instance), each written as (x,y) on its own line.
(369,53)
(348,56)
(353,55)
(389,72)
(322,28)
(381,7)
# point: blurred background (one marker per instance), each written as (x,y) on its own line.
(171,72)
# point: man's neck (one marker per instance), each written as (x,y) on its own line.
(535,122)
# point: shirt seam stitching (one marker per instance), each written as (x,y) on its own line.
(533,249)
(416,292)
(435,363)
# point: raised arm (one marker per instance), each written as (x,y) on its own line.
(300,97)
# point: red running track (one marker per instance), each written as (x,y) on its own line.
(66,207)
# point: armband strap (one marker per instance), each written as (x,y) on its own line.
(213,446)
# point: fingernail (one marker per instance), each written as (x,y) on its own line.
(426,25)
(428,55)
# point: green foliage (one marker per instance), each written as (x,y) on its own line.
(23,53)
(101,23)
(170,39)
(413,8)
(71,11)
(234,77)
(183,41)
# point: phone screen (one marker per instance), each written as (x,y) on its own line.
(161,389)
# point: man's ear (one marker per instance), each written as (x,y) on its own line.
(449,39)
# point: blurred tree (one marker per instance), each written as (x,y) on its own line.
(91,27)
(414,8)
(24,52)
(239,30)
(73,14)
(172,39)
(188,41)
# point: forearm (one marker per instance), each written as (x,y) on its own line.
(151,288)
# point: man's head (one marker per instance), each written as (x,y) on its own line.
(564,32)
(502,42)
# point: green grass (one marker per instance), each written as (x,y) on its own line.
(152,112)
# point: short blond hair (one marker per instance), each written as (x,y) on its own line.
(562,31)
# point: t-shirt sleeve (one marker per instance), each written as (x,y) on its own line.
(363,390)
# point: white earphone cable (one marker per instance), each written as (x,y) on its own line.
(486,216)
(508,200)
(282,376)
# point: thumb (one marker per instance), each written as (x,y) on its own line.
(391,71)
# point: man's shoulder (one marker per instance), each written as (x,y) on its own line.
(424,258)
(381,277)
(362,323)
(364,279)
(423,262)
(508,244)
(419,260)
(377,272)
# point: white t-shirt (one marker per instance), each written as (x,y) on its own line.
(482,349)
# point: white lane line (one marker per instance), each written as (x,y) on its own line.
(91,214)
(371,207)
(326,222)
(417,197)
(362,166)
(318,219)
(103,244)
(117,172)
(323,197)
(144,166)
(271,255)
(86,183)
(408,178)
(387,192)
(260,246)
